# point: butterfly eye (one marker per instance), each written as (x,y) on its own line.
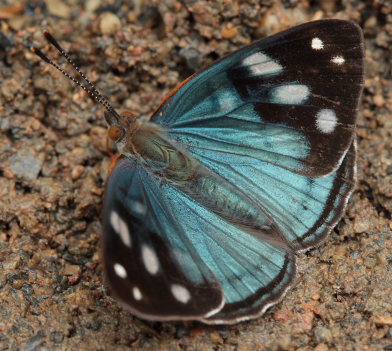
(115,133)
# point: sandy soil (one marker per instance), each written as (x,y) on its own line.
(53,164)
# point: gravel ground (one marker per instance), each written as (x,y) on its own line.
(53,165)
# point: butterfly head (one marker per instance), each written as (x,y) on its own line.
(121,128)
(147,142)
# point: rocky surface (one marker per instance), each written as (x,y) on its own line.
(53,165)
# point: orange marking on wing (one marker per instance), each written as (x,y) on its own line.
(113,164)
(174,91)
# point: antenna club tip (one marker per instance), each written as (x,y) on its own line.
(40,54)
(49,37)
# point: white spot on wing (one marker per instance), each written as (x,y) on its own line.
(180,293)
(227,101)
(150,259)
(339,60)
(137,294)
(317,44)
(114,218)
(120,270)
(121,228)
(139,208)
(290,94)
(326,120)
(260,64)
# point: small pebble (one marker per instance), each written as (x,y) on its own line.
(382,320)
(381,260)
(34,342)
(71,269)
(321,347)
(323,335)
(379,100)
(192,57)
(25,166)
(216,338)
(58,8)
(92,5)
(17,284)
(109,23)
(284,344)
(77,171)
(229,31)
(57,337)
(12,262)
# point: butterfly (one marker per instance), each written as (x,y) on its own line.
(242,166)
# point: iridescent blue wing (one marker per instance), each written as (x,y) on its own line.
(290,100)
(276,119)
(167,257)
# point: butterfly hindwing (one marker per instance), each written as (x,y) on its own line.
(253,273)
(304,209)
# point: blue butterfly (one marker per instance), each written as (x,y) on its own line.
(242,166)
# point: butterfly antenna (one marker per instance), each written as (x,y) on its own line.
(94,93)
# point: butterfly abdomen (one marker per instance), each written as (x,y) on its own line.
(222,198)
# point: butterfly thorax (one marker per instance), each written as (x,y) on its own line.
(148,143)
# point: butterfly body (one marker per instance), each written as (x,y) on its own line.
(241,167)
(149,146)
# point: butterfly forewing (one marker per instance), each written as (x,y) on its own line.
(315,88)
(302,85)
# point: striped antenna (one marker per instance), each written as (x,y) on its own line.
(93,92)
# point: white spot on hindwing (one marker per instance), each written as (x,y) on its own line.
(120,270)
(326,120)
(317,44)
(290,94)
(137,294)
(338,60)
(139,207)
(180,293)
(121,228)
(260,64)
(150,259)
